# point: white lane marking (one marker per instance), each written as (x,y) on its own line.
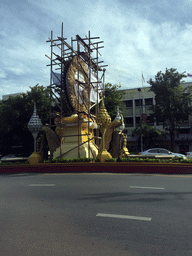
(145,187)
(41,185)
(123,216)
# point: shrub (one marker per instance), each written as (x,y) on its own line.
(97,160)
(111,160)
(69,160)
(176,159)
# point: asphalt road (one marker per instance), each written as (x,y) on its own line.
(95,214)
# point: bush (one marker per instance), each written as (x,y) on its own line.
(124,160)
(97,160)
(69,160)
(111,160)
(177,159)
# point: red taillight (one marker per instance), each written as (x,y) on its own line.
(139,153)
(187,154)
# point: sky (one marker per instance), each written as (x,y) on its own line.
(139,36)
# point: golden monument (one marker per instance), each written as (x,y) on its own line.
(78,88)
(103,120)
(72,145)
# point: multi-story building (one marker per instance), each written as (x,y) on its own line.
(138,102)
(7,96)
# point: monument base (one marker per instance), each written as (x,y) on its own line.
(34,158)
(70,150)
(104,155)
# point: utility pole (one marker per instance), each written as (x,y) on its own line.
(139,90)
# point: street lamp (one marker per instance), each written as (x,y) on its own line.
(139,90)
(34,127)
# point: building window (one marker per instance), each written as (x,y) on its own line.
(137,120)
(150,120)
(160,122)
(184,130)
(128,103)
(149,102)
(138,102)
(186,119)
(128,121)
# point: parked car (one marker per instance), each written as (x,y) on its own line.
(160,151)
(188,154)
(8,157)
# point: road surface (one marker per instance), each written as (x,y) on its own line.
(95,214)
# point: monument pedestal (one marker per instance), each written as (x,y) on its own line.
(34,158)
(71,148)
(104,155)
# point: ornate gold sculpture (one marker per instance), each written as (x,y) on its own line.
(68,129)
(124,152)
(109,132)
(103,120)
(115,139)
(47,140)
(77,66)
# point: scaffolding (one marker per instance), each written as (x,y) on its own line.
(75,86)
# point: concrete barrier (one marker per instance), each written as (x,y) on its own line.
(147,168)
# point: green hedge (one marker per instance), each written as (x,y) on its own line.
(69,160)
(121,160)
(155,160)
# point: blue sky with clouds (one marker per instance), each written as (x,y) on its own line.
(138,35)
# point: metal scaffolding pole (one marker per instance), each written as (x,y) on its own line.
(59,91)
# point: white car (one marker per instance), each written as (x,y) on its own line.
(10,156)
(189,154)
(160,151)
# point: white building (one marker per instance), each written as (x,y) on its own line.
(138,102)
(7,96)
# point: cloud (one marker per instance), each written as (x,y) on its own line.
(2,74)
(138,36)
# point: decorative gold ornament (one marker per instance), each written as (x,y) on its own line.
(103,120)
(124,152)
(77,81)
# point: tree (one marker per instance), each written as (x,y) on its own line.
(15,114)
(149,134)
(173,102)
(113,98)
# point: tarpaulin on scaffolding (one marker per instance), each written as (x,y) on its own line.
(96,86)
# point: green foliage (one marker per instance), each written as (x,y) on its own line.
(149,134)
(155,160)
(113,98)
(69,160)
(16,112)
(111,160)
(173,102)
(108,160)
(16,162)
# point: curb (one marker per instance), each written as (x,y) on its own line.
(147,168)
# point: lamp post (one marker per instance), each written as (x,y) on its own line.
(139,90)
(34,127)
